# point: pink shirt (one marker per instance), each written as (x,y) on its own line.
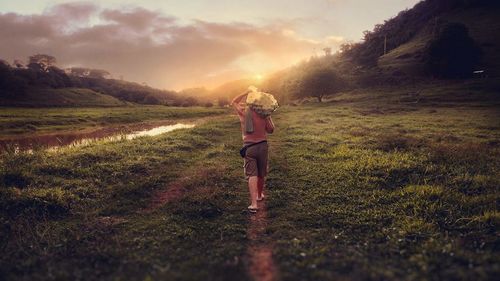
(261,126)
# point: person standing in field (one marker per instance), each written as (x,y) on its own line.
(254,128)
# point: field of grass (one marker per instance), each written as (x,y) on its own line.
(358,190)
(16,121)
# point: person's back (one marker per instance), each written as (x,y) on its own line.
(261,127)
(254,129)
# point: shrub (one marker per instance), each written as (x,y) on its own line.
(453,54)
(190,101)
(320,82)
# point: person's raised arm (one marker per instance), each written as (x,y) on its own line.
(269,125)
(236,103)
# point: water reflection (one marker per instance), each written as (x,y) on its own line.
(159,130)
(56,141)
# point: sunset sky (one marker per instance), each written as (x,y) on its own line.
(176,44)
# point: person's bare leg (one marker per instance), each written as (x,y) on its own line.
(260,184)
(254,190)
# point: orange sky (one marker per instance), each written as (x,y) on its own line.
(178,44)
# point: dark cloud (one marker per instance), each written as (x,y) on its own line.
(148,46)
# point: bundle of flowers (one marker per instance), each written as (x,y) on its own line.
(262,103)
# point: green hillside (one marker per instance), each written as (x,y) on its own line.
(49,85)
(60,97)
(483,25)
(409,60)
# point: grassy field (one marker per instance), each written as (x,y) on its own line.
(358,190)
(17,121)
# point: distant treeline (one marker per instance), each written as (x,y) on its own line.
(41,72)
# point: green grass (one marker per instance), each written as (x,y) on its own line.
(359,189)
(75,97)
(404,196)
(59,210)
(15,121)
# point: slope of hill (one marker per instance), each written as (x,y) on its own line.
(60,97)
(483,25)
(127,91)
(233,88)
(407,37)
(49,85)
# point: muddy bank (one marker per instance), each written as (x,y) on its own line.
(81,137)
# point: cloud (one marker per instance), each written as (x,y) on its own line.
(71,12)
(136,18)
(148,46)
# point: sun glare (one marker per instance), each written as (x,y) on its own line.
(259,77)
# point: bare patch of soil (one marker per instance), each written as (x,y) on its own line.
(261,266)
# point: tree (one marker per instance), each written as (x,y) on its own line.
(150,99)
(190,101)
(44,61)
(79,71)
(222,102)
(98,73)
(18,63)
(59,78)
(89,72)
(319,82)
(453,54)
(36,67)
(10,84)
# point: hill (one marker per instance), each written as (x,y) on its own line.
(483,25)
(60,97)
(407,38)
(128,91)
(42,83)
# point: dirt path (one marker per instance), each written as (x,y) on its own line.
(177,188)
(261,266)
(171,192)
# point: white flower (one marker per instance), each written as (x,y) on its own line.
(262,103)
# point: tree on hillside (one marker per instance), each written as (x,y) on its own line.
(453,54)
(58,78)
(190,101)
(42,60)
(99,73)
(10,84)
(18,63)
(89,72)
(150,99)
(320,82)
(222,101)
(79,71)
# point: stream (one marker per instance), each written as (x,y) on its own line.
(84,137)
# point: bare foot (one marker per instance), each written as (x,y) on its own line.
(252,209)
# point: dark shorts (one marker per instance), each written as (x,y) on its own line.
(256,161)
